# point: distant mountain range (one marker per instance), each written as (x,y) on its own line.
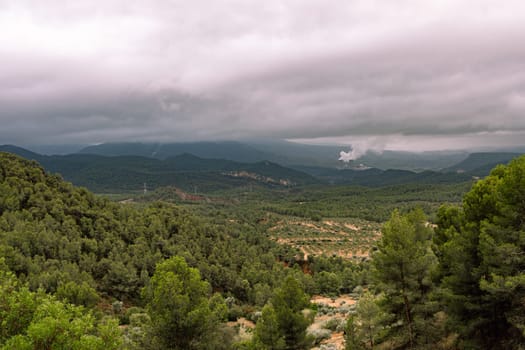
(373,177)
(481,163)
(210,150)
(189,172)
(282,152)
(127,167)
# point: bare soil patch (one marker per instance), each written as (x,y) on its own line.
(245,328)
(352,227)
(337,337)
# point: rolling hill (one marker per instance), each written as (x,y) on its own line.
(373,177)
(228,150)
(481,163)
(282,152)
(130,173)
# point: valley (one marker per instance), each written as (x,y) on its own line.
(262,175)
(252,236)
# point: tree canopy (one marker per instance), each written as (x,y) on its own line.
(482,263)
(177,300)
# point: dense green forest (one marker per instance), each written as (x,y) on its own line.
(88,251)
(131,172)
(79,271)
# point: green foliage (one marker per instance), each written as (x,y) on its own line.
(66,246)
(17,305)
(480,249)
(78,294)
(186,171)
(177,301)
(373,204)
(365,328)
(67,241)
(288,302)
(402,268)
(218,307)
(37,321)
(268,333)
(353,340)
(328,283)
(283,324)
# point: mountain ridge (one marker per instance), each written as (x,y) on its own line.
(127,173)
(481,163)
(285,153)
(188,171)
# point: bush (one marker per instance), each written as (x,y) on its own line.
(332,324)
(125,318)
(328,283)
(139,319)
(358,290)
(255,316)
(78,294)
(234,312)
(320,334)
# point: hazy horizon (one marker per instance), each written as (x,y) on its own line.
(353,153)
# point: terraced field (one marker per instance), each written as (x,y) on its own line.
(344,237)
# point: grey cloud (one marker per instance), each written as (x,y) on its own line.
(300,70)
(402,91)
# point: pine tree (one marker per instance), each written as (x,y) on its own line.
(288,302)
(365,327)
(402,266)
(482,260)
(177,302)
(267,332)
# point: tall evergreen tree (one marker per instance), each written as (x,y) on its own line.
(364,328)
(267,332)
(402,266)
(289,301)
(482,260)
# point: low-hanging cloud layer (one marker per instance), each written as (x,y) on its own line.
(412,74)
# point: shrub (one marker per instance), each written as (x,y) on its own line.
(320,334)
(332,324)
(234,312)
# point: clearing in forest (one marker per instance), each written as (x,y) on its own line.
(344,237)
(332,314)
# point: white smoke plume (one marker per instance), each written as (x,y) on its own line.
(347,156)
(359,149)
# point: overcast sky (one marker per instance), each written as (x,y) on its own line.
(413,74)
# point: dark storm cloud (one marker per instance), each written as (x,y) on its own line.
(414,88)
(331,70)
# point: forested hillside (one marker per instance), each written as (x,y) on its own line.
(85,250)
(78,271)
(481,163)
(373,177)
(129,173)
(460,286)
